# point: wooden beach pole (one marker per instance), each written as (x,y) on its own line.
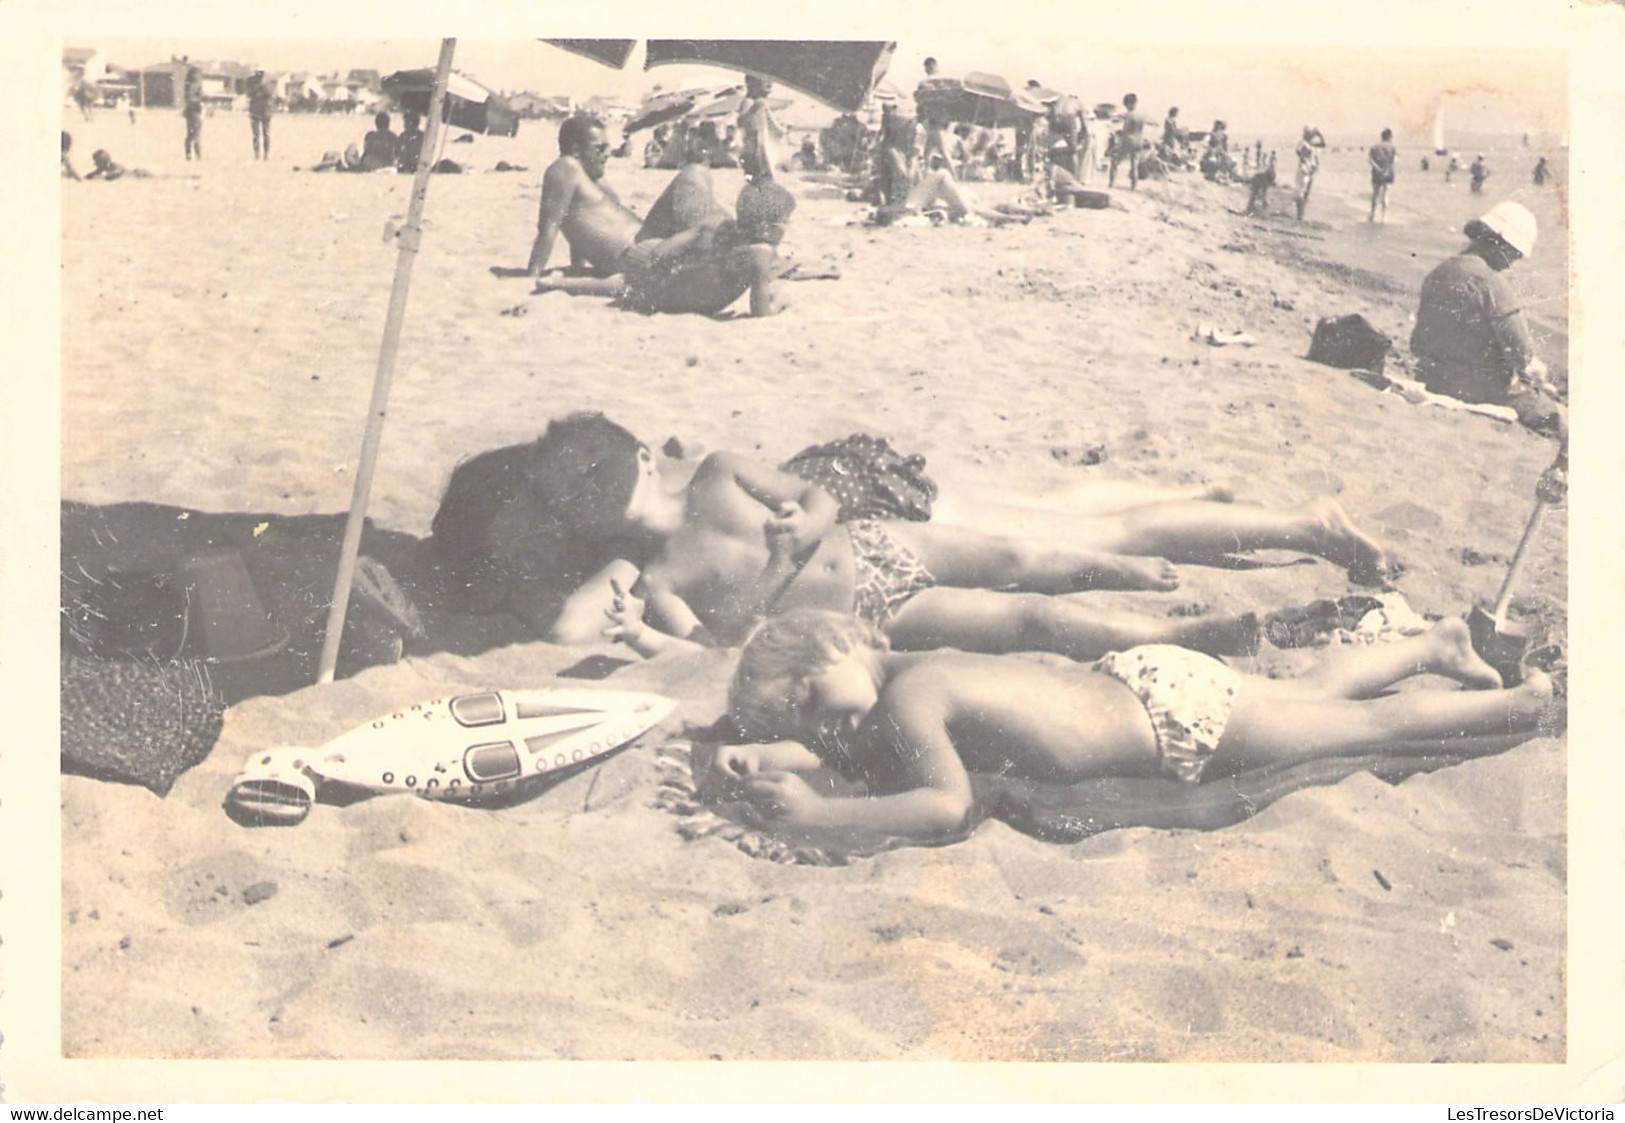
(409,237)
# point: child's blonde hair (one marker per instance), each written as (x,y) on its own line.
(778,659)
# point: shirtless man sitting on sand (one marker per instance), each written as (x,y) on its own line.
(687,256)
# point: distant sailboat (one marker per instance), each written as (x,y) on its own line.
(1438,133)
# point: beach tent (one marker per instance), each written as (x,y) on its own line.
(839,73)
(469,105)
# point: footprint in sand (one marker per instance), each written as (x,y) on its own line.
(1409,516)
(216,886)
(1319,482)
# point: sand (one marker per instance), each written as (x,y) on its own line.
(220,331)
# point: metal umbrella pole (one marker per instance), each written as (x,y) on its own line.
(409,237)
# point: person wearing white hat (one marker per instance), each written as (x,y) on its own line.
(1471,340)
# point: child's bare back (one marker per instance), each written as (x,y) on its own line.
(1018,717)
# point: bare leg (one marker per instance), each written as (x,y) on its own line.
(581,286)
(582,618)
(964,503)
(1199,532)
(1072,812)
(969,559)
(1267,729)
(761,260)
(992,622)
(1367,670)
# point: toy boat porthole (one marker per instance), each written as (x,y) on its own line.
(477,709)
(498,760)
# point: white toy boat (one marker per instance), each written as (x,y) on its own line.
(496,746)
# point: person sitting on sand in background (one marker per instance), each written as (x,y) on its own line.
(1308,153)
(67,164)
(1216,163)
(1471,338)
(706,534)
(577,202)
(409,145)
(655,148)
(689,254)
(825,691)
(1171,144)
(1382,159)
(1478,173)
(894,157)
(378,146)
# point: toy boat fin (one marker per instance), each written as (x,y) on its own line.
(275,788)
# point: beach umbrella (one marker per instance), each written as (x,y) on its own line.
(728,102)
(977,99)
(837,72)
(468,104)
(372,436)
(658,109)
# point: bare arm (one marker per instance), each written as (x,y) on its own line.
(558,192)
(674,628)
(724,477)
(935,797)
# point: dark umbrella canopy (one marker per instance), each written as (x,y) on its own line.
(610,52)
(469,105)
(839,73)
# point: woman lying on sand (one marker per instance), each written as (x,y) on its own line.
(938,192)
(721,545)
(826,689)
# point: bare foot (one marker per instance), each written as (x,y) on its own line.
(1454,657)
(1342,542)
(1220,635)
(1535,705)
(1118,571)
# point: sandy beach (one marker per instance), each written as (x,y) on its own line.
(220,329)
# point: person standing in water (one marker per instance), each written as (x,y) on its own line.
(1382,158)
(1308,153)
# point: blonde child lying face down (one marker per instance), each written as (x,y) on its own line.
(914,726)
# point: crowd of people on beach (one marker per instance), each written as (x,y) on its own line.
(881,643)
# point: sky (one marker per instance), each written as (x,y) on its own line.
(1265,89)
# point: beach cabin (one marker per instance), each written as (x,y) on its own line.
(231,79)
(159,86)
(84,64)
(365,83)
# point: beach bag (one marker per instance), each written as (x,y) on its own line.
(1349,343)
(137,722)
(869,478)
